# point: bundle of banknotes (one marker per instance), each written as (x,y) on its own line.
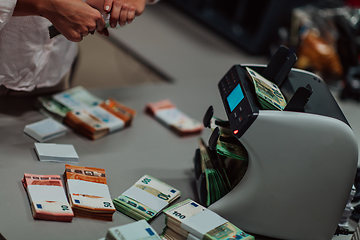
(47,197)
(220,170)
(190,220)
(88,192)
(146,198)
(139,230)
(86,113)
(268,93)
(168,114)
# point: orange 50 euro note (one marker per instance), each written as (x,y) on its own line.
(88,192)
(47,197)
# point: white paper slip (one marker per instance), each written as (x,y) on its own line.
(56,152)
(45,130)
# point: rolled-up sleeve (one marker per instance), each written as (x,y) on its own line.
(6,10)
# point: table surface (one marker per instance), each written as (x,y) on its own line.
(146,147)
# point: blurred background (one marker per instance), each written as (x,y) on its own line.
(323,34)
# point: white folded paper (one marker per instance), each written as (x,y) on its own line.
(56,152)
(45,130)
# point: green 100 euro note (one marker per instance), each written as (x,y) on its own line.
(268,93)
(146,198)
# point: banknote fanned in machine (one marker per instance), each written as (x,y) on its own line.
(220,169)
(47,197)
(146,198)
(268,93)
(88,192)
(190,220)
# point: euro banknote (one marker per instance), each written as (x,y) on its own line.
(47,197)
(146,198)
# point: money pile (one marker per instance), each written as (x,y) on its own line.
(218,171)
(268,93)
(132,231)
(47,197)
(216,182)
(168,114)
(188,219)
(146,198)
(58,105)
(86,113)
(88,192)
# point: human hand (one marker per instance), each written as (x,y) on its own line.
(123,11)
(73,18)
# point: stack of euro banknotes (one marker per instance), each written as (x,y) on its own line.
(219,170)
(86,189)
(167,113)
(190,220)
(85,113)
(88,192)
(146,198)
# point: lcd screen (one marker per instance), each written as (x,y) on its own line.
(235,97)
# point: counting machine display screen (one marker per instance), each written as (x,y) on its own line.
(235,97)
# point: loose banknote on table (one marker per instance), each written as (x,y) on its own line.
(88,192)
(268,93)
(139,230)
(168,114)
(190,220)
(146,198)
(47,197)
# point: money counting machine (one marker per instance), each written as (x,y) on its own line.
(301,161)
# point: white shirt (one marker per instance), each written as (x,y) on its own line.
(28,57)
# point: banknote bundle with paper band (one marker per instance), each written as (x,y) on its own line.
(146,198)
(168,114)
(268,93)
(95,122)
(47,197)
(139,230)
(190,220)
(86,113)
(88,192)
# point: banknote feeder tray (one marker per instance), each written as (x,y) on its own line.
(302,161)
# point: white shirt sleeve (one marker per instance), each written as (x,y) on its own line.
(6,11)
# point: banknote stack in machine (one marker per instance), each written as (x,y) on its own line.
(47,197)
(268,93)
(133,231)
(88,192)
(190,220)
(88,114)
(168,114)
(219,170)
(146,198)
